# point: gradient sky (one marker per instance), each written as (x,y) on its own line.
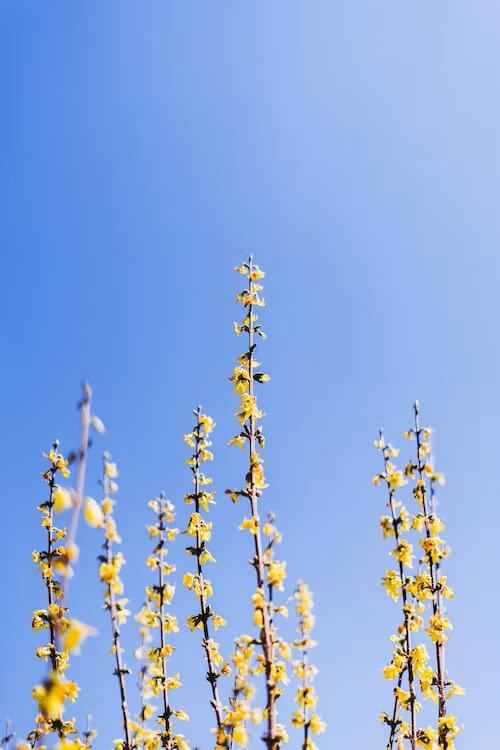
(148,147)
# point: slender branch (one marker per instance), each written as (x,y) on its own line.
(212,674)
(306,696)
(167,712)
(406,621)
(49,580)
(433,568)
(111,582)
(244,378)
(85,420)
(89,733)
(254,494)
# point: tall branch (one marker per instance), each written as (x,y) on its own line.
(393,479)
(109,570)
(201,531)
(244,377)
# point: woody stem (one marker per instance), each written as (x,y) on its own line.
(436,609)
(120,671)
(253,494)
(212,675)
(166,706)
(407,631)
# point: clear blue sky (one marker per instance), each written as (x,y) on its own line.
(353,148)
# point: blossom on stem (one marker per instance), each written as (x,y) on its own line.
(155,680)
(200,530)
(110,565)
(305,716)
(270,573)
(64,634)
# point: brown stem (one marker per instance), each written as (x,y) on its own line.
(49,581)
(141,681)
(253,493)
(212,675)
(120,671)
(88,734)
(440,670)
(166,707)
(304,687)
(82,467)
(407,630)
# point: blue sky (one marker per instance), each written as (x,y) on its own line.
(353,148)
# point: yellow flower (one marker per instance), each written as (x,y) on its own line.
(426,738)
(316,725)
(454,690)
(396,479)
(257,472)
(251,524)
(448,730)
(256,273)
(276,574)
(239,440)
(243,269)
(404,553)
(107,505)
(108,572)
(391,671)
(62,499)
(218,622)
(198,526)
(207,423)
(75,634)
(386,526)
(182,715)
(392,584)
(43,652)
(438,623)
(248,408)
(111,469)
(240,379)
(92,512)
(306,697)
(171,683)
(403,696)
(419,658)
(52,694)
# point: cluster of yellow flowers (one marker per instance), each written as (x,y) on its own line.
(414,581)
(421,596)
(201,532)
(240,712)
(306,698)
(270,573)
(64,634)
(55,566)
(100,515)
(154,678)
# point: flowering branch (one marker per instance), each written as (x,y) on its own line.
(240,712)
(201,531)
(306,697)
(426,586)
(435,550)
(109,572)
(85,422)
(156,680)
(52,694)
(396,584)
(244,376)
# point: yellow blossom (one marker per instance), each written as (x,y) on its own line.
(92,512)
